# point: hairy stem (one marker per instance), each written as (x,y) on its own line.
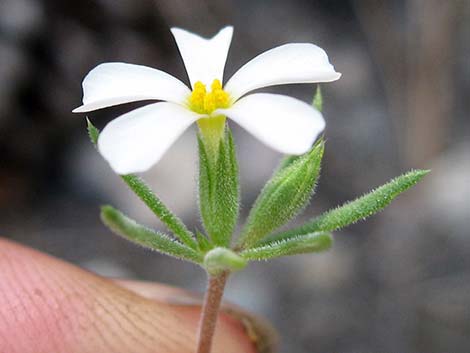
(210,311)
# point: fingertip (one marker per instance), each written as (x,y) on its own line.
(48,305)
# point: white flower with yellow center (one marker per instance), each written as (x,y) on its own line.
(137,140)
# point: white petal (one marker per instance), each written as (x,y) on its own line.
(283,123)
(204,59)
(117,83)
(289,63)
(137,140)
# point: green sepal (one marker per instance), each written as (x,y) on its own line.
(283,197)
(143,191)
(219,191)
(93,132)
(138,234)
(318,99)
(359,209)
(221,259)
(301,244)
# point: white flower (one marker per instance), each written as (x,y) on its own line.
(137,140)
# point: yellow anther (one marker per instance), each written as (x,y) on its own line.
(209,103)
(216,85)
(203,102)
(196,99)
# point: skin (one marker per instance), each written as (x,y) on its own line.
(48,305)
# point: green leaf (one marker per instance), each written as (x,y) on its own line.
(300,244)
(359,209)
(204,244)
(318,99)
(93,132)
(138,234)
(287,161)
(283,197)
(222,259)
(219,190)
(143,191)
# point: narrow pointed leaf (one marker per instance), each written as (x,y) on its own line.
(289,159)
(283,197)
(222,259)
(219,190)
(143,191)
(138,234)
(204,243)
(359,209)
(301,244)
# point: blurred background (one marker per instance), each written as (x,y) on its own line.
(399,282)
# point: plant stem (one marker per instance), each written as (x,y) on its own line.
(210,311)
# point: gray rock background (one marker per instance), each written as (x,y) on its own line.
(397,283)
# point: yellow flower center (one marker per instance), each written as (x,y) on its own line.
(203,102)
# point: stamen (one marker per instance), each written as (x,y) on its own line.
(202,102)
